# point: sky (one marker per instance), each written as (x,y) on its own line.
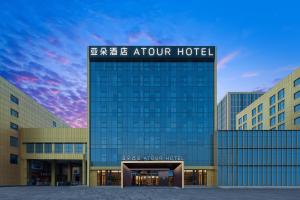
(43,44)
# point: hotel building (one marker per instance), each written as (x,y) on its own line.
(151,117)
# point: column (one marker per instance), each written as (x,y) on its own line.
(83,172)
(53,173)
(69,173)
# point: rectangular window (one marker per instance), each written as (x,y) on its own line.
(281,117)
(297,82)
(245,118)
(240,120)
(272,100)
(14,126)
(297,121)
(29,148)
(78,148)
(14,141)
(253,121)
(13,159)
(272,110)
(297,108)
(68,148)
(260,126)
(253,112)
(281,127)
(54,124)
(297,95)
(48,148)
(14,113)
(240,128)
(280,105)
(254,128)
(272,121)
(39,148)
(58,148)
(260,107)
(260,117)
(280,94)
(14,99)
(245,127)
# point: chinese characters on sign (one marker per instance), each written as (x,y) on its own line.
(151,157)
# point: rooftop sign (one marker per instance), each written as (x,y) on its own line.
(103,53)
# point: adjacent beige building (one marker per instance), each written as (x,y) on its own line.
(53,156)
(17,110)
(278,108)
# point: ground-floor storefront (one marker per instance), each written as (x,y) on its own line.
(55,172)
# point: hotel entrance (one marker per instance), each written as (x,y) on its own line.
(152,173)
(157,177)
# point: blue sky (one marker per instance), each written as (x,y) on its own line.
(43,43)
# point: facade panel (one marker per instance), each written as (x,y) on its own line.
(269,158)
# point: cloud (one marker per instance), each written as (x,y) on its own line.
(229,57)
(142,37)
(249,74)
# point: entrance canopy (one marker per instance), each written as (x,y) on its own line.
(152,173)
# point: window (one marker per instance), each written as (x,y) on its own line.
(272,100)
(280,94)
(29,148)
(297,108)
(78,148)
(240,128)
(54,124)
(68,148)
(253,121)
(39,148)
(297,121)
(58,148)
(14,99)
(245,117)
(48,148)
(240,119)
(281,117)
(253,112)
(297,82)
(272,121)
(13,159)
(14,141)
(260,126)
(281,127)
(14,113)
(254,128)
(297,95)
(260,107)
(245,126)
(272,110)
(260,117)
(14,126)
(280,105)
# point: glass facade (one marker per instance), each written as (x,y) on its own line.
(259,158)
(149,108)
(231,105)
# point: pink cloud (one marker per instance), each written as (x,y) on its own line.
(229,57)
(30,79)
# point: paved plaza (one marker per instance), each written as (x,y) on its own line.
(115,193)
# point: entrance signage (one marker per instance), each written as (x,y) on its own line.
(151,157)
